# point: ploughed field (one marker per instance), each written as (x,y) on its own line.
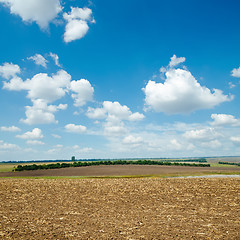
(120,208)
(124,170)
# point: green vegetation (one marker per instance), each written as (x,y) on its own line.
(229,163)
(118,162)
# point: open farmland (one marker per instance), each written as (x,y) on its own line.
(136,208)
(125,170)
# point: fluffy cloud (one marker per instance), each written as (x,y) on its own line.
(10,129)
(130,139)
(175,61)
(83,92)
(236,72)
(96,113)
(8,146)
(224,119)
(40,11)
(42,86)
(8,70)
(121,112)
(235,140)
(181,93)
(114,127)
(202,134)
(41,113)
(77,26)
(39,60)
(36,133)
(75,128)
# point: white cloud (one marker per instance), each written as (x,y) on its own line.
(175,144)
(41,86)
(181,93)
(83,92)
(10,129)
(39,60)
(96,113)
(8,146)
(77,27)
(55,57)
(236,72)
(114,127)
(35,142)
(8,70)
(36,133)
(235,140)
(115,109)
(224,119)
(40,11)
(136,116)
(175,61)
(130,139)
(41,113)
(214,144)
(202,134)
(75,128)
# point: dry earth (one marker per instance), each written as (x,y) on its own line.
(136,208)
(123,170)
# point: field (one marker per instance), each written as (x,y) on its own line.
(120,208)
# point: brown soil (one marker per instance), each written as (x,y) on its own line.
(143,208)
(122,170)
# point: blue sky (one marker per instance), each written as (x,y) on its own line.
(118,79)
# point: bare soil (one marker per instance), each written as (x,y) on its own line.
(136,208)
(122,170)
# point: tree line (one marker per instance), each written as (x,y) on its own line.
(117,162)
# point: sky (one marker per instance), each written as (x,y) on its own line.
(119,79)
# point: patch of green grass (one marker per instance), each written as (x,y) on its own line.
(222,165)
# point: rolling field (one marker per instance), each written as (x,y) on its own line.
(133,208)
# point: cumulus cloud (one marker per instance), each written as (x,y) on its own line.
(236,72)
(42,86)
(130,139)
(114,127)
(202,134)
(36,133)
(83,92)
(75,128)
(10,129)
(224,119)
(175,61)
(8,146)
(181,93)
(121,112)
(211,144)
(96,113)
(8,70)
(39,60)
(235,140)
(43,89)
(40,11)
(41,113)
(77,23)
